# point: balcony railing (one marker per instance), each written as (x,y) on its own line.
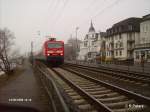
(130,49)
(146,45)
(131,40)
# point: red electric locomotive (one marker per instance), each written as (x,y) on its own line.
(54,51)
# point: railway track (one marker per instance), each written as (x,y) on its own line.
(92,95)
(136,78)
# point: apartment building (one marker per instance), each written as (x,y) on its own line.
(142,45)
(128,39)
(120,39)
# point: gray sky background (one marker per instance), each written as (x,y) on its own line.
(59,18)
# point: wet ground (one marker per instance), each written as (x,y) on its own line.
(25,89)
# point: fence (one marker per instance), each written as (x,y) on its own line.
(58,102)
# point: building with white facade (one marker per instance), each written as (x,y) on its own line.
(142,45)
(120,39)
(126,40)
(91,45)
(87,47)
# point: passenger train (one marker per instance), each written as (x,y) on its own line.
(54,51)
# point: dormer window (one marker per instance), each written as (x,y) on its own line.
(120,28)
(130,27)
(92,35)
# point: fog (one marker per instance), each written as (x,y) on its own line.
(34,20)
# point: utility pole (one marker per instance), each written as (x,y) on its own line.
(32,52)
(72,50)
(77,28)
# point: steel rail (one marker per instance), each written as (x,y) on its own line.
(114,70)
(139,98)
(97,104)
(112,73)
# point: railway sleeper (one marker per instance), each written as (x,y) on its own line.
(66,87)
(100,92)
(69,90)
(121,104)
(76,97)
(94,89)
(91,87)
(113,94)
(86,84)
(80,101)
(86,108)
(72,93)
(113,99)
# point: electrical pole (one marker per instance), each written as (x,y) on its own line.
(32,52)
(72,50)
(77,28)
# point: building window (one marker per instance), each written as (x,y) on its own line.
(130,27)
(146,28)
(121,44)
(85,44)
(116,53)
(116,45)
(89,55)
(130,36)
(109,45)
(116,37)
(120,28)
(92,35)
(120,53)
(120,36)
(137,55)
(92,42)
(143,28)
(86,36)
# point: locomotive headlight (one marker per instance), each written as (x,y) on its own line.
(59,51)
(50,51)
(48,54)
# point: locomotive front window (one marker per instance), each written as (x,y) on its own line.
(54,45)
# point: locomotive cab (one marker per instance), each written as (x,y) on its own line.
(54,51)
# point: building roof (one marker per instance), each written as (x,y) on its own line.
(127,25)
(146,17)
(128,21)
(103,34)
(91,29)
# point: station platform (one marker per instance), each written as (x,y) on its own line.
(25,89)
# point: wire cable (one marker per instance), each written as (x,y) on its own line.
(101,11)
(58,18)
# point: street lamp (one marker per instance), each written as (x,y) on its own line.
(77,28)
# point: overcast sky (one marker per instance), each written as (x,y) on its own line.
(59,18)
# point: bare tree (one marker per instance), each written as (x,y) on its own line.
(6,41)
(71,48)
